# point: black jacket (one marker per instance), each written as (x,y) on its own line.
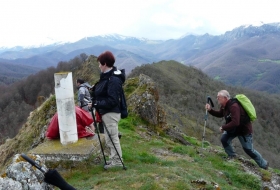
(107,91)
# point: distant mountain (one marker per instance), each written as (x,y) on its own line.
(246,56)
(252,31)
(10,73)
(50,55)
(124,59)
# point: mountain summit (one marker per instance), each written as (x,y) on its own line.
(253,31)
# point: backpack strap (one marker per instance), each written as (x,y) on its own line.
(244,119)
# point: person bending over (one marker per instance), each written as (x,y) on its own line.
(83,94)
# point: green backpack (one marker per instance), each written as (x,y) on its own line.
(247,106)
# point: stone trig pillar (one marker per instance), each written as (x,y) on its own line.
(65,107)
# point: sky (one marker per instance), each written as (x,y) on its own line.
(36,22)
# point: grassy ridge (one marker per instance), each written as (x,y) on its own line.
(183,91)
(156,162)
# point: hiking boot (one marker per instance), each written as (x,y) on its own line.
(266,167)
(108,162)
(232,157)
(113,164)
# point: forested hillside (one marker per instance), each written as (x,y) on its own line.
(11,73)
(252,63)
(20,98)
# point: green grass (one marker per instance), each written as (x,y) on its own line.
(155,162)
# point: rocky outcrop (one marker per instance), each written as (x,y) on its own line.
(22,175)
(144,101)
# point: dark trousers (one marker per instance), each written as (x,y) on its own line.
(247,144)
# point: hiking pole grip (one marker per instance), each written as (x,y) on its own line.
(54,178)
(209,100)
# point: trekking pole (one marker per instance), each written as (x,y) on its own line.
(95,125)
(206,117)
(114,145)
(51,176)
(88,128)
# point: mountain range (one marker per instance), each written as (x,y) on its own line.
(246,56)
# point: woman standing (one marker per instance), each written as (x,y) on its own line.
(107,103)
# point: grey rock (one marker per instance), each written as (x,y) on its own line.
(22,175)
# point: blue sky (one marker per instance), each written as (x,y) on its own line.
(34,22)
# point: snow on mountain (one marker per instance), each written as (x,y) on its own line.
(42,43)
(121,37)
(252,28)
(118,37)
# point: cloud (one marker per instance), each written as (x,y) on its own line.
(34,21)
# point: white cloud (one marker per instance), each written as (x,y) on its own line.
(33,21)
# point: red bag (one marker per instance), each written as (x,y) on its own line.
(53,129)
(83,119)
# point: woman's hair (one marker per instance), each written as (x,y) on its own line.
(106,58)
(224,93)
